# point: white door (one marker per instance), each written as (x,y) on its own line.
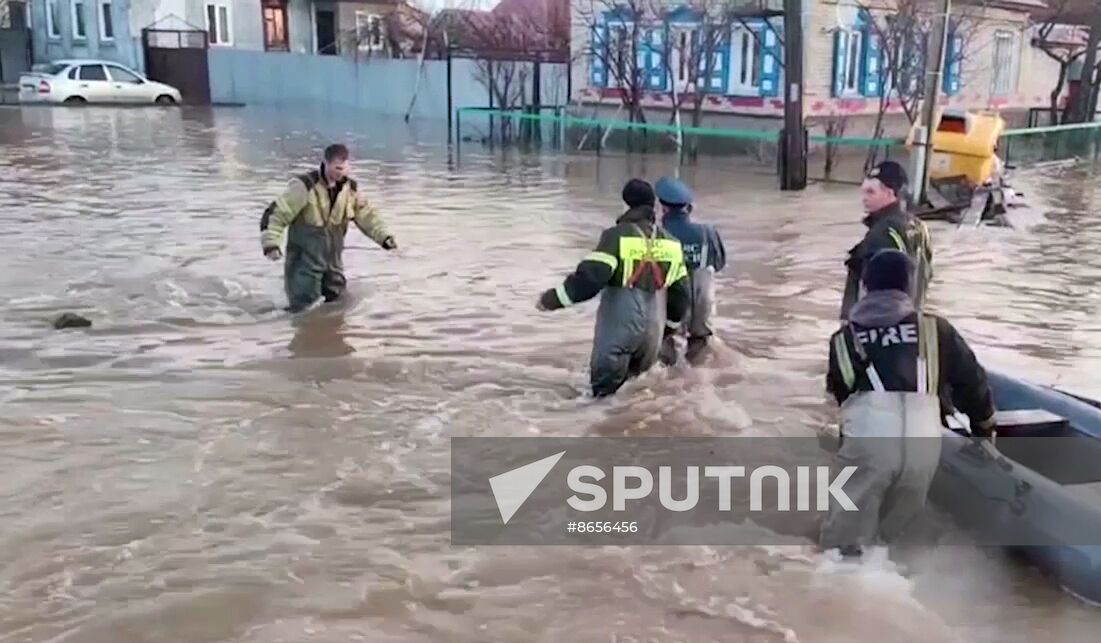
(93,84)
(128,87)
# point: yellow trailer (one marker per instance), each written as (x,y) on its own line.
(965,173)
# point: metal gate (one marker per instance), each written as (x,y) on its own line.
(178,57)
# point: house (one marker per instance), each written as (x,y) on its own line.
(112,29)
(513,30)
(301,26)
(852,55)
(85,29)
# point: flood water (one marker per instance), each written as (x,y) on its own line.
(199,467)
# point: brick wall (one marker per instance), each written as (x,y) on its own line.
(1031,79)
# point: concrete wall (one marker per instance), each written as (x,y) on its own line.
(383,86)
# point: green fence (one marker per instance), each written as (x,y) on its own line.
(561,130)
(554,128)
(1029,146)
(830,158)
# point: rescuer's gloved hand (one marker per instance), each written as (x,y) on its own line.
(274,254)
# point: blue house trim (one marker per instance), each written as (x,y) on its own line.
(655,38)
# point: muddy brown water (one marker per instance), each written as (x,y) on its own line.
(198,467)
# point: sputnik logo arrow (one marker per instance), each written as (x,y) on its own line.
(512,488)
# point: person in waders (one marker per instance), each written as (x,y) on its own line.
(317,207)
(889,369)
(704,255)
(890,226)
(638,269)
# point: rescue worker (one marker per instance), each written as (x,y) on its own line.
(317,207)
(639,271)
(889,226)
(889,369)
(704,255)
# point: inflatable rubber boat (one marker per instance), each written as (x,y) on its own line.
(1036,490)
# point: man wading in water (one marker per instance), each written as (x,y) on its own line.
(317,207)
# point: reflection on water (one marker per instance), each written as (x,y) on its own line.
(199,466)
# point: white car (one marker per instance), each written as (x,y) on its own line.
(91,81)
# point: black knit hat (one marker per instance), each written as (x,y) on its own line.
(638,193)
(888,270)
(891,175)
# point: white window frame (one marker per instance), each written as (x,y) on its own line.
(750,62)
(908,49)
(215,38)
(851,86)
(616,80)
(1004,70)
(363,21)
(854,59)
(108,6)
(73,14)
(53,29)
(682,71)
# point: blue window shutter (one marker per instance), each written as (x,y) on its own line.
(953,63)
(599,45)
(770,61)
(872,73)
(840,61)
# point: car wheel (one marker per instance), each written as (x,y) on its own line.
(165,99)
(75,100)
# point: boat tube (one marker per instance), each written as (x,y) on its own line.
(1036,489)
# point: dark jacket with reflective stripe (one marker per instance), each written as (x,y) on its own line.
(616,263)
(891,228)
(701,242)
(891,343)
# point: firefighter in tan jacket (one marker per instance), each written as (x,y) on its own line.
(314,212)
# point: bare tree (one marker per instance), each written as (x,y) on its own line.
(1060,42)
(833,126)
(615,45)
(1083,107)
(690,58)
(902,36)
(507,46)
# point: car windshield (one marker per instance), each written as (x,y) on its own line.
(50,69)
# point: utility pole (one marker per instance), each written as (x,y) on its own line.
(934,74)
(793,169)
